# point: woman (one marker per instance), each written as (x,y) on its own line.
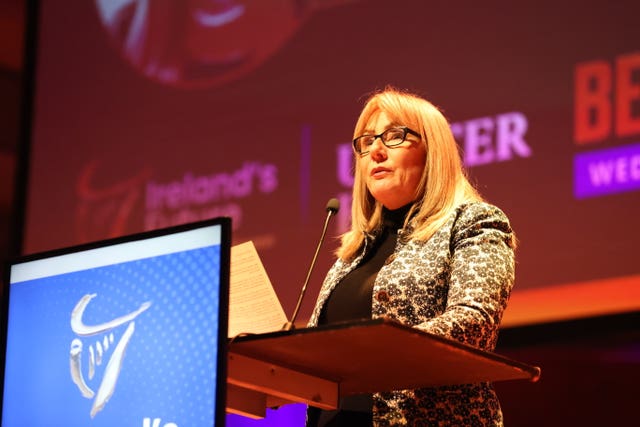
(425,250)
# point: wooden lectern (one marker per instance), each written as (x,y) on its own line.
(317,365)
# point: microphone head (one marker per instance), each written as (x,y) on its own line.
(333,206)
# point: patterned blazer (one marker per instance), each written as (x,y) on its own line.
(456,284)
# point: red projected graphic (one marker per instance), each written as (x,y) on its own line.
(105,210)
(200,43)
(607,103)
(605,97)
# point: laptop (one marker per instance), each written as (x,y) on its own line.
(123,332)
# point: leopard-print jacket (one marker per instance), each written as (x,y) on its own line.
(456,284)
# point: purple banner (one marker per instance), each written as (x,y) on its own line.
(609,171)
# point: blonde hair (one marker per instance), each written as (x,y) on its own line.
(443,186)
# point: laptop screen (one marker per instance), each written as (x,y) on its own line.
(127,332)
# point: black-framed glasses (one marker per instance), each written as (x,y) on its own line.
(390,138)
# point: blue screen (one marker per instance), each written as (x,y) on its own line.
(128,344)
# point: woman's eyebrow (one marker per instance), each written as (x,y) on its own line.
(368,131)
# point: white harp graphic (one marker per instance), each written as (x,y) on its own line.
(99,350)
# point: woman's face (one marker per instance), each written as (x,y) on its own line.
(392,174)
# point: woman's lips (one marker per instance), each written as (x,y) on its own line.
(379,172)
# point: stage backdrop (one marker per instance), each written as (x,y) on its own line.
(158,112)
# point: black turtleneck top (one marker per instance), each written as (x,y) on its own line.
(351,300)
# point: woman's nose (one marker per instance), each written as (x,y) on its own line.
(378,150)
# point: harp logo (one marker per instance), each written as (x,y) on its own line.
(98,350)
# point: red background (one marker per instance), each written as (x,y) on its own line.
(102,130)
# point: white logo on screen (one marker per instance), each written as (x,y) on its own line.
(98,351)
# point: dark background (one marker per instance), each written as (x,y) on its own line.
(102,131)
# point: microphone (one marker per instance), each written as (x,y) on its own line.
(333,206)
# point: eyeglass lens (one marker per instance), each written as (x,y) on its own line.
(390,137)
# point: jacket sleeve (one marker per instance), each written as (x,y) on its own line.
(481,277)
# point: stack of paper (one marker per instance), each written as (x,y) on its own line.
(254,306)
